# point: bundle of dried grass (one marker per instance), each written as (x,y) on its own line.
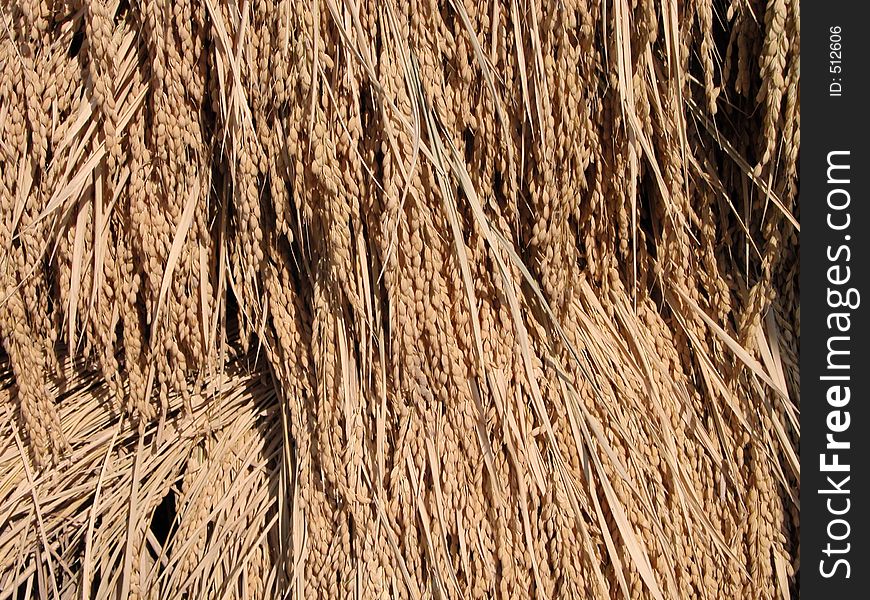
(483,299)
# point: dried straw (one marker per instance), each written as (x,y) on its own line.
(399,299)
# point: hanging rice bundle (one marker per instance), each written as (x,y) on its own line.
(426,299)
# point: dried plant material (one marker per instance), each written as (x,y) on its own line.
(399,299)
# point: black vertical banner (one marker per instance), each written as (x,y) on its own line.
(835,236)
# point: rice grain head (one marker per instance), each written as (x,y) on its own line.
(384,299)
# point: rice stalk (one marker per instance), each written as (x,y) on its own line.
(385,299)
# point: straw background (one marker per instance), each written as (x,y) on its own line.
(424,299)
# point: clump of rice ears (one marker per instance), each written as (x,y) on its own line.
(428,299)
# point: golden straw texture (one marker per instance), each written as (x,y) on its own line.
(412,299)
